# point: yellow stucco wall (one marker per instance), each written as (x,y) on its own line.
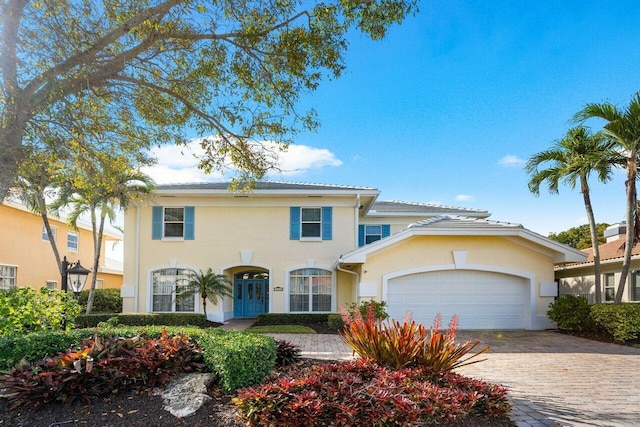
(258,226)
(21,245)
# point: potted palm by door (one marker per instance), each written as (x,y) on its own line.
(207,285)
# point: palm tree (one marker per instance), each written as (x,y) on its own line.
(207,285)
(100,195)
(623,127)
(571,160)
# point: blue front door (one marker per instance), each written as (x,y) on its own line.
(251,293)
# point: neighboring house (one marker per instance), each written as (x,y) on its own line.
(26,256)
(305,248)
(579,278)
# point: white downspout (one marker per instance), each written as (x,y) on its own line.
(357,220)
(355,292)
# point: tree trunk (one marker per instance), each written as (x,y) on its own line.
(630,236)
(594,236)
(97,247)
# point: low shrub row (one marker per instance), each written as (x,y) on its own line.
(168,319)
(289,318)
(362,392)
(574,314)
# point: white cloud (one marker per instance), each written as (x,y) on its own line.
(179,164)
(511,161)
(464,198)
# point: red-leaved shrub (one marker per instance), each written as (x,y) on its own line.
(362,392)
(101,366)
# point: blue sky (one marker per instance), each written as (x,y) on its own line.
(448,108)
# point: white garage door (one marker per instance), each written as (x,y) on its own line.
(482,300)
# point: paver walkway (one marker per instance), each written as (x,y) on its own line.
(553,379)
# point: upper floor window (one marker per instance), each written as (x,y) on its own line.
(311,223)
(173,223)
(72,241)
(609,287)
(45,236)
(310,290)
(372,233)
(8,275)
(167,284)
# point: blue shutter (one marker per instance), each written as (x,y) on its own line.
(386,230)
(327,214)
(360,235)
(189,222)
(156,223)
(294,223)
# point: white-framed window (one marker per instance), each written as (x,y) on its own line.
(8,274)
(311,223)
(99,283)
(173,222)
(609,287)
(372,233)
(635,286)
(310,290)
(166,284)
(72,241)
(45,236)
(51,284)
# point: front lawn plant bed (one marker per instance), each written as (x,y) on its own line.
(362,392)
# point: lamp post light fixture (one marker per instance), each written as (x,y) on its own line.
(74,275)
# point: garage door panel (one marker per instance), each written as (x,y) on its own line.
(482,300)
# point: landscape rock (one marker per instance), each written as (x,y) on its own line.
(185,394)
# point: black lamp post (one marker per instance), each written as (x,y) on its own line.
(73,275)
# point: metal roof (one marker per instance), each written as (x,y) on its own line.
(265,185)
(399,208)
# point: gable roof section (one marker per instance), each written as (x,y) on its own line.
(447,225)
(399,208)
(610,252)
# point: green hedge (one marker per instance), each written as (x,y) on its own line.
(168,319)
(104,301)
(334,321)
(289,318)
(621,321)
(239,359)
(34,346)
(571,313)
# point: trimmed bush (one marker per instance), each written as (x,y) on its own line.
(290,318)
(168,319)
(334,321)
(34,346)
(378,307)
(25,310)
(362,392)
(239,359)
(104,301)
(621,321)
(571,313)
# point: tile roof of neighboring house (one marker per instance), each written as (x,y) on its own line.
(612,250)
(399,207)
(262,185)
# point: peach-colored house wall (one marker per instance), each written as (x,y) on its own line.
(21,245)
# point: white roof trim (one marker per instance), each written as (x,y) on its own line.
(561,253)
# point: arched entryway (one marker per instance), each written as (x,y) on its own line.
(250,293)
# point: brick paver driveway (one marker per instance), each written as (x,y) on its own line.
(555,379)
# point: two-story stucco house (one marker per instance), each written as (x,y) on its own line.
(299,248)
